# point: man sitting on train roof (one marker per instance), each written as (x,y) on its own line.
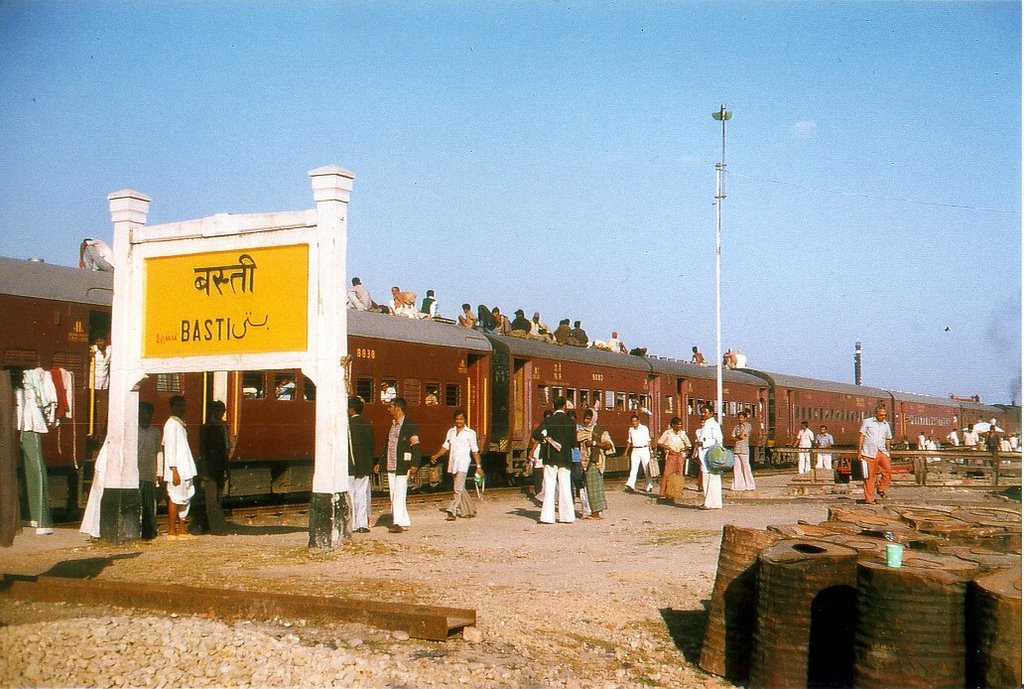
(697,357)
(428,309)
(403,303)
(358,297)
(539,330)
(466,318)
(95,254)
(502,325)
(563,333)
(578,335)
(520,326)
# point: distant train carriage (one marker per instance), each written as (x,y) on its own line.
(840,406)
(917,415)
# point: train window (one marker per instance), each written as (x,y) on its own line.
(308,390)
(544,395)
(388,390)
(284,386)
(451,395)
(620,401)
(168,382)
(556,392)
(432,394)
(570,397)
(411,391)
(595,399)
(364,389)
(645,403)
(21,357)
(609,399)
(253,385)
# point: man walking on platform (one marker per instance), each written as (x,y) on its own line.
(360,448)
(403,461)
(873,448)
(461,447)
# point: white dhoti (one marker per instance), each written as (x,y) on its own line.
(712,484)
(91,518)
(398,486)
(803,462)
(824,461)
(181,495)
(360,492)
(557,479)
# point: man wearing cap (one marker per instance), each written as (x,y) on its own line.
(520,326)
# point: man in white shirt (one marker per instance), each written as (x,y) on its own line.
(358,297)
(804,441)
(953,439)
(709,435)
(461,446)
(638,447)
(971,438)
(873,448)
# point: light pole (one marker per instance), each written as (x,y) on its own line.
(723,116)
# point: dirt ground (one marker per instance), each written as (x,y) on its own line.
(616,602)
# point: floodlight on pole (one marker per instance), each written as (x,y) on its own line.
(723,116)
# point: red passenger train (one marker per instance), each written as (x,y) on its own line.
(503,383)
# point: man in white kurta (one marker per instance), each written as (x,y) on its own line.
(804,441)
(178,471)
(638,447)
(709,435)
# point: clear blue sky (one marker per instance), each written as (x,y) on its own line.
(560,157)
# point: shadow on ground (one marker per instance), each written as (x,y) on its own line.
(86,568)
(686,627)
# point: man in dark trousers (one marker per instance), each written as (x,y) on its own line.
(558,431)
(402,459)
(360,464)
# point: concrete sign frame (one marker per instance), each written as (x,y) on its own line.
(142,344)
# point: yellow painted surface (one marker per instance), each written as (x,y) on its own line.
(245,301)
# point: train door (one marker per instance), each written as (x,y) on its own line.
(792,397)
(478,397)
(519,402)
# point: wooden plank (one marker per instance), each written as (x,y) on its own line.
(432,622)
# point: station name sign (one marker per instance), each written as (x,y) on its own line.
(245,301)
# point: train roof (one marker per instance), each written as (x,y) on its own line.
(788,381)
(38,280)
(527,348)
(384,327)
(688,370)
(924,399)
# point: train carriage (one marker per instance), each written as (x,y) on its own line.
(529,374)
(840,406)
(436,367)
(916,415)
(682,389)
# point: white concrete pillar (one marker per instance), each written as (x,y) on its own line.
(128,212)
(332,187)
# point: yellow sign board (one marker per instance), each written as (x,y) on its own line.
(246,301)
